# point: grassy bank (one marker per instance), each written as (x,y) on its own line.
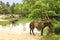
(52,37)
(4,23)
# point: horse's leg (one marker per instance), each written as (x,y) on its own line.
(50,30)
(42,32)
(30,31)
(33,31)
(30,28)
(42,27)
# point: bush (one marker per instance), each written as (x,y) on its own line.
(57,30)
(51,37)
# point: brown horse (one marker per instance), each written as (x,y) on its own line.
(40,25)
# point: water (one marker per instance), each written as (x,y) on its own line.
(18,29)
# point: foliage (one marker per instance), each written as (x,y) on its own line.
(52,37)
(37,8)
(32,8)
(4,23)
(57,28)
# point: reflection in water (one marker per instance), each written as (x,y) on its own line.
(18,29)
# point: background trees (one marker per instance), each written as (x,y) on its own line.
(34,9)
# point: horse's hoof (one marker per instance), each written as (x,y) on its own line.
(41,35)
(30,33)
(34,34)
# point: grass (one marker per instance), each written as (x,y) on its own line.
(23,20)
(52,37)
(4,23)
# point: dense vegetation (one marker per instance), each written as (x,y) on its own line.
(52,37)
(33,8)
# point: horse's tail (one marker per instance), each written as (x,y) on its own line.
(31,25)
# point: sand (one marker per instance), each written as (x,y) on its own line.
(4,35)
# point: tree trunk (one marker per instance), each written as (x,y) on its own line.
(47,16)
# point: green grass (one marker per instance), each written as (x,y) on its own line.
(52,37)
(23,20)
(4,23)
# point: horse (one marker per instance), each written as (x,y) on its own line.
(41,26)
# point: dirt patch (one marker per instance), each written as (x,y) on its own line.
(7,36)
(2,18)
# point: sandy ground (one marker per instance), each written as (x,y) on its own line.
(2,18)
(7,36)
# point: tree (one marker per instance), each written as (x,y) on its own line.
(37,9)
(7,4)
(2,7)
(12,8)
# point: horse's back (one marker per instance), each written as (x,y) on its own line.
(33,24)
(37,25)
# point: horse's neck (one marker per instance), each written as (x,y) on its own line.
(47,23)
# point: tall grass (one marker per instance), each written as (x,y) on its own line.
(4,23)
(52,37)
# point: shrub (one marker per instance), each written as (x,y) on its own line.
(57,30)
